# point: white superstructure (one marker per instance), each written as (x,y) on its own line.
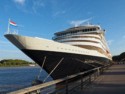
(89,37)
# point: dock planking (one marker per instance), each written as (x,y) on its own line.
(112,81)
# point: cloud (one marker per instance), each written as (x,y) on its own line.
(20,2)
(29,6)
(123,37)
(37,4)
(79,22)
(21,5)
(110,42)
(59,13)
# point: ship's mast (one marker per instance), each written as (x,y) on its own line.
(8,30)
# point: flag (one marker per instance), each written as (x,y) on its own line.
(12,23)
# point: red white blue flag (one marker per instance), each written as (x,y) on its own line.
(12,23)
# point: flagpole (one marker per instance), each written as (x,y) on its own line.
(8,31)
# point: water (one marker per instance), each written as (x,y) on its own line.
(14,78)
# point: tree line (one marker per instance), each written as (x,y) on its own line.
(120,57)
(16,62)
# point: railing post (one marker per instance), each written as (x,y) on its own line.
(81,82)
(98,71)
(35,92)
(95,74)
(102,70)
(67,91)
(89,78)
(38,91)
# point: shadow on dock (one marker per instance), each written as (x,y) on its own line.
(114,73)
(112,81)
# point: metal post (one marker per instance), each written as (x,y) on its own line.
(98,71)
(89,78)
(81,82)
(8,29)
(95,75)
(67,86)
(38,92)
(102,70)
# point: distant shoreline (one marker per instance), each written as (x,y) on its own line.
(19,67)
(16,63)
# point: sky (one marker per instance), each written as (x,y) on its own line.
(42,18)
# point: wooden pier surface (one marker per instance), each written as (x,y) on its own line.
(112,81)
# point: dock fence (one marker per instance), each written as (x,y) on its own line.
(67,86)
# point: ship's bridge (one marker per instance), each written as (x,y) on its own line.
(78,30)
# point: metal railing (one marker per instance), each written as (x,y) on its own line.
(68,85)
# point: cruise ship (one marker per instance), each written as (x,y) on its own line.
(69,51)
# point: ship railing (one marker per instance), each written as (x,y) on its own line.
(64,85)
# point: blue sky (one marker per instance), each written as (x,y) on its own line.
(42,18)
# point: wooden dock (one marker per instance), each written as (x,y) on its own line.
(112,81)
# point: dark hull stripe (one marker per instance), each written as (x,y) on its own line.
(67,67)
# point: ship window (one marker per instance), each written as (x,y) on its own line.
(90,29)
(85,30)
(94,29)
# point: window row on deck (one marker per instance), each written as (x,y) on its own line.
(75,31)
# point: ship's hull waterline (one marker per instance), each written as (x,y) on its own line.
(57,63)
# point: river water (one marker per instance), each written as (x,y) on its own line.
(14,78)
